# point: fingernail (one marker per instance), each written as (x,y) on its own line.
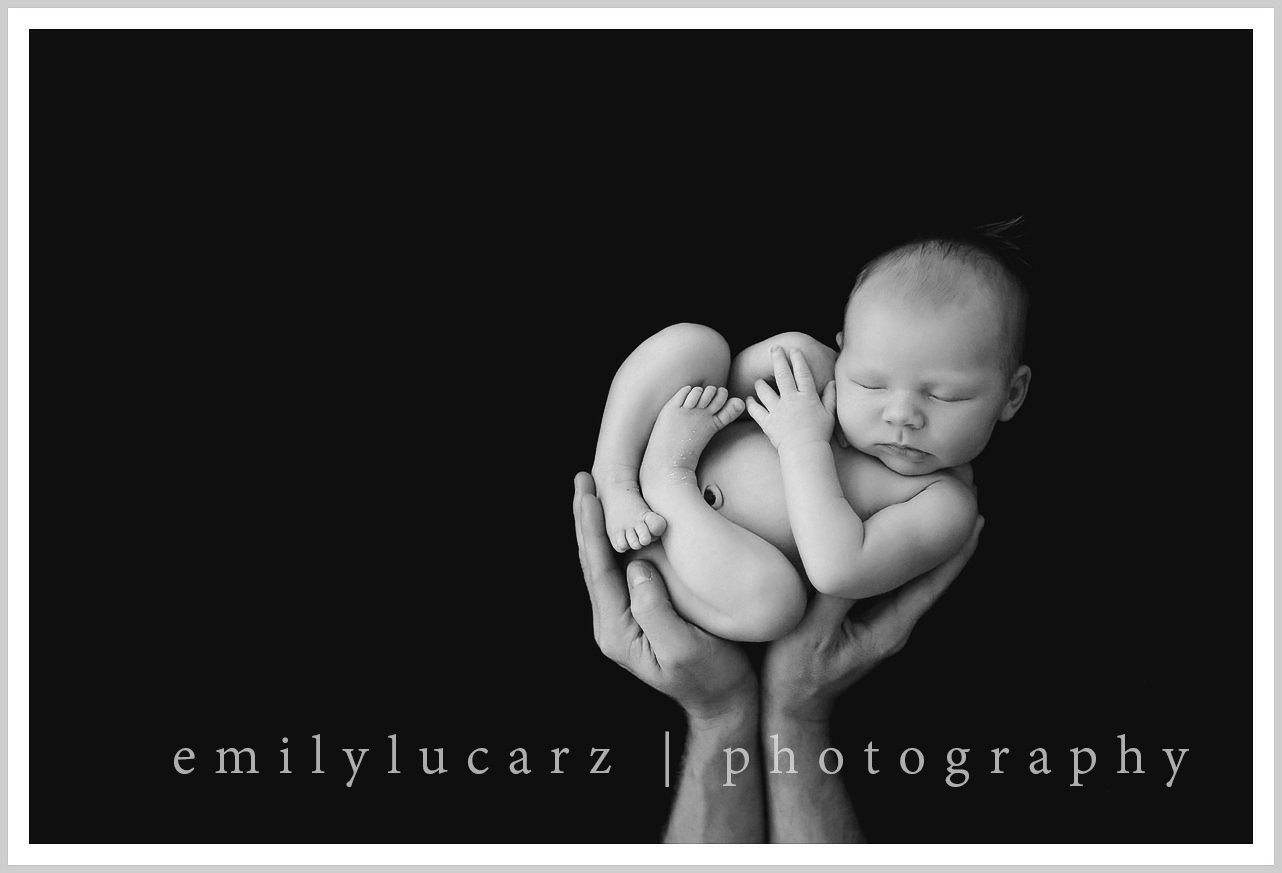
(637,573)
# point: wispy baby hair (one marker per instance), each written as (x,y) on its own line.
(993,250)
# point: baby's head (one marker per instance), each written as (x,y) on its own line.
(931,350)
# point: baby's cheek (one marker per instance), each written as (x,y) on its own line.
(966,441)
(848,428)
(850,415)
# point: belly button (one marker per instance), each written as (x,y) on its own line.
(713,497)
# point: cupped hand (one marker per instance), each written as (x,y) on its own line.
(636,626)
(798,413)
(806,671)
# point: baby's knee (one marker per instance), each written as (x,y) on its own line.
(689,335)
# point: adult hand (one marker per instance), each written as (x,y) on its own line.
(636,627)
(830,650)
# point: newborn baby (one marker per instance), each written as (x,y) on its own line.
(929,362)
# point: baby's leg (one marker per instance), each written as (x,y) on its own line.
(684,354)
(724,578)
(754,362)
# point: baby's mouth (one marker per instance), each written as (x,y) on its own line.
(904,451)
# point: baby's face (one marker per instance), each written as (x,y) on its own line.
(921,385)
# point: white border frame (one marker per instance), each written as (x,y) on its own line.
(20,21)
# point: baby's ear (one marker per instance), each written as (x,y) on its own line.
(840,336)
(1017,393)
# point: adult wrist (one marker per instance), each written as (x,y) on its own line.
(733,714)
(811,711)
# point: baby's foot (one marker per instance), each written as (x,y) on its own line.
(629,520)
(684,426)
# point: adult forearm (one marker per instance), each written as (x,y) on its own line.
(706,809)
(809,806)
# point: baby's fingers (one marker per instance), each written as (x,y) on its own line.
(830,398)
(758,412)
(801,370)
(766,394)
(783,373)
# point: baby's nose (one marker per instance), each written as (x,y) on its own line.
(902,410)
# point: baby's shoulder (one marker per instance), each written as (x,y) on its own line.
(956,484)
(870,486)
(953,489)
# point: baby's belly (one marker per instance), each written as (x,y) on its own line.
(743,464)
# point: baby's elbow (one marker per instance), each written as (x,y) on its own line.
(858,582)
(830,583)
(840,582)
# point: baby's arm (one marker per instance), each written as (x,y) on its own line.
(843,555)
(852,558)
(727,579)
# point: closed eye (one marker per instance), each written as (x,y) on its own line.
(868,387)
(947,399)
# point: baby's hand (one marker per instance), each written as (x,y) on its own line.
(797,413)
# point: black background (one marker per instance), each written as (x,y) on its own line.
(324,326)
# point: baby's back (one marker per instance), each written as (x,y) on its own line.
(740,469)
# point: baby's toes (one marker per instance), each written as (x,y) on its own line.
(709,394)
(683,394)
(632,539)
(718,400)
(693,398)
(655,523)
(643,535)
(732,410)
(620,541)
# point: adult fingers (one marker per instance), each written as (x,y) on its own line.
(670,636)
(783,373)
(600,572)
(583,484)
(801,371)
(826,612)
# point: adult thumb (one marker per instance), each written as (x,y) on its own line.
(827,611)
(652,608)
